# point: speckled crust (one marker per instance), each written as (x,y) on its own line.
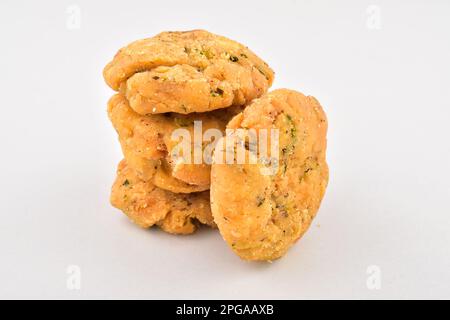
(185,72)
(148,139)
(261,216)
(147,205)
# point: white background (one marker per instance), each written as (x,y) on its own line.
(383,79)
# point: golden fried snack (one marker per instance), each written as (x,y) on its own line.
(164,179)
(147,205)
(149,138)
(159,173)
(261,216)
(185,72)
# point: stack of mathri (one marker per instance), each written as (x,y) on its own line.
(177,80)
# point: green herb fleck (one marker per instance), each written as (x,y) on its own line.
(155,78)
(243,55)
(126,183)
(208,54)
(182,122)
(292,125)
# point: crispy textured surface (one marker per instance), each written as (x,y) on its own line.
(147,205)
(159,173)
(185,72)
(146,139)
(261,216)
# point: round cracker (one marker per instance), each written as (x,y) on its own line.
(147,205)
(147,140)
(185,72)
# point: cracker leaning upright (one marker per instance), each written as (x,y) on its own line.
(185,72)
(260,216)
